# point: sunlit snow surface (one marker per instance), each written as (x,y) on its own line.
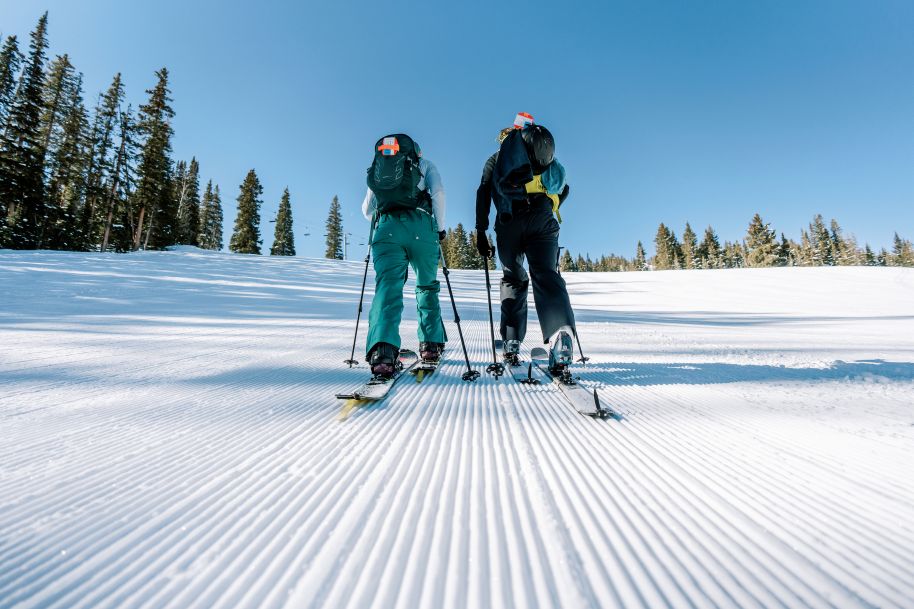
(169,438)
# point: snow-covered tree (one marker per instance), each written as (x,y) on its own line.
(761,244)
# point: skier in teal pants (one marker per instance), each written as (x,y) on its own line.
(406,203)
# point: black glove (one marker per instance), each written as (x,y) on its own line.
(563,195)
(441,235)
(482,245)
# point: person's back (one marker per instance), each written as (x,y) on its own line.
(406,210)
(527,185)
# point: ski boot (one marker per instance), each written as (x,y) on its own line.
(384,358)
(562,352)
(431,352)
(511,352)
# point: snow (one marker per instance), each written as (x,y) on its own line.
(169,437)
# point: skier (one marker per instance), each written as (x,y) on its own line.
(528,186)
(406,204)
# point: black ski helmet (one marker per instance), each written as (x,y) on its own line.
(540,147)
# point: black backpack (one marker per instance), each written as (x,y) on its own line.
(394,174)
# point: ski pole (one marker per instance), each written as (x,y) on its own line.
(497,368)
(581,359)
(351,361)
(470,374)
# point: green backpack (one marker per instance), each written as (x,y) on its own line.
(394,174)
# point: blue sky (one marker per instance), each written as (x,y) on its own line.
(706,112)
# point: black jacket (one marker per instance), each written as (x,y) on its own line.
(510,171)
(487,191)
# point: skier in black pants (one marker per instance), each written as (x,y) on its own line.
(528,186)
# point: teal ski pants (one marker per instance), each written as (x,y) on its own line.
(404,238)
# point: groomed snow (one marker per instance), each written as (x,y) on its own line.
(169,438)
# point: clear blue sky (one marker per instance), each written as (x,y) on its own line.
(673,111)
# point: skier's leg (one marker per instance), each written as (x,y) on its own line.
(422,249)
(390,263)
(510,245)
(553,307)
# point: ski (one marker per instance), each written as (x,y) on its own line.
(575,394)
(423,369)
(377,389)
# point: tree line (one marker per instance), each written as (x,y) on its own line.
(105,180)
(820,244)
(99,181)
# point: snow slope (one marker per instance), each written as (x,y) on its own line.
(169,438)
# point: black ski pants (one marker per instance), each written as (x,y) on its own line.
(532,232)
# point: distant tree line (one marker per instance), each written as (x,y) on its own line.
(105,180)
(820,245)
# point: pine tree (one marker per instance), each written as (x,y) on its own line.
(156,218)
(734,255)
(10,60)
(786,256)
(66,186)
(22,153)
(447,247)
(117,194)
(284,240)
(902,252)
(246,236)
(62,95)
(821,243)
(187,194)
(101,175)
(805,252)
(477,261)
(883,258)
(665,256)
(179,182)
(210,236)
(640,258)
(676,248)
(55,93)
(566,262)
(334,249)
(580,264)
(690,259)
(761,244)
(869,256)
(460,246)
(709,252)
(206,210)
